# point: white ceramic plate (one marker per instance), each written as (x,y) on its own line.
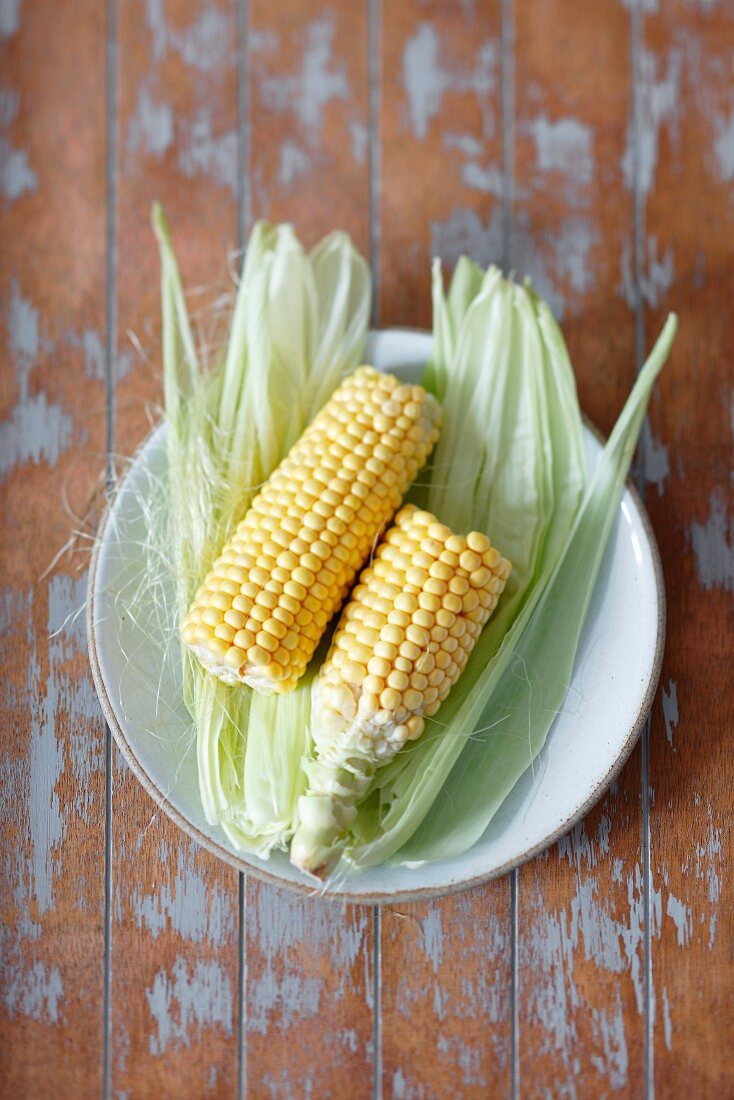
(614,680)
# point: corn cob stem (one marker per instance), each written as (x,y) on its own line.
(338,781)
(401,644)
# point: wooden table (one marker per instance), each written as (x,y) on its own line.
(589,145)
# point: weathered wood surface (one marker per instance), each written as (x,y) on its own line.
(309,963)
(174,1004)
(581,933)
(687,197)
(52,462)
(445,1012)
(589,146)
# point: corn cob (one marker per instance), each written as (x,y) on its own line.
(400,645)
(261,611)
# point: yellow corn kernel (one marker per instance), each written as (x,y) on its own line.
(261,611)
(404,663)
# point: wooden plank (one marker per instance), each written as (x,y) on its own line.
(581,959)
(309,996)
(308,1011)
(52,445)
(687,177)
(440,124)
(441,179)
(175,908)
(447,985)
(309,116)
(446,965)
(572,217)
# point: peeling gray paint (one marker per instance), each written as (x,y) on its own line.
(467,144)
(570,273)
(187,904)
(464,1057)
(713,546)
(597,927)
(573,242)
(294,162)
(680,914)
(263,41)
(36,432)
(281,1086)
(565,146)
(31,780)
(9,106)
(659,99)
(47,827)
(649,6)
(705,862)
(609,1032)
(463,231)
(670,709)
(398,1085)
(455,941)
(350,1039)
(724,147)
(185,1003)
(23,333)
(94,354)
(667,1023)
(359,135)
(202,153)
(16,174)
(655,463)
(35,991)
(205,45)
(609,934)
(708,867)
(486,179)
(440,1002)
(319,83)
(656,277)
(151,127)
(432,929)
(316,84)
(426,81)
(155,17)
(9,18)
(281,924)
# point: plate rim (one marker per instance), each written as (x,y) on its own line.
(373,897)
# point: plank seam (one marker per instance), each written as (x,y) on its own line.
(111,59)
(507,98)
(374,104)
(244,211)
(243,222)
(241,968)
(638,235)
(514,1006)
(374,15)
(377,1000)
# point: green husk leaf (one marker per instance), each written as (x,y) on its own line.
(298,327)
(497,718)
